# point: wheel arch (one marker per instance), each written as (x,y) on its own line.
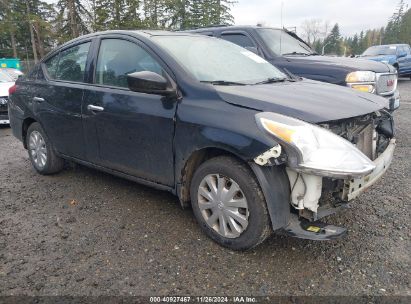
(273,181)
(196,158)
(27,122)
(396,66)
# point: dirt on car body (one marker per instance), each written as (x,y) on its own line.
(83,232)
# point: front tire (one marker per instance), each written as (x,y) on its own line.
(41,153)
(229,205)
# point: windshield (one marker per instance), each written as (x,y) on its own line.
(4,77)
(380,50)
(281,43)
(215,60)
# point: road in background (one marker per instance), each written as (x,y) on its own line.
(83,232)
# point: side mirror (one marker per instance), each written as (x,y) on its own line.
(149,83)
(402,54)
(252,49)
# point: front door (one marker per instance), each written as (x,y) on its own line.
(128,131)
(407,60)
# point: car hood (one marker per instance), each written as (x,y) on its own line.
(308,100)
(4,88)
(354,64)
(388,58)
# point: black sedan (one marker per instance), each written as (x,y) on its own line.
(252,150)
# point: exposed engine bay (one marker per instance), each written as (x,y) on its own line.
(370,133)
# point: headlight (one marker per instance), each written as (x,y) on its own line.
(361,76)
(363,81)
(314,149)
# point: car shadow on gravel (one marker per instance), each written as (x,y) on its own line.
(164,207)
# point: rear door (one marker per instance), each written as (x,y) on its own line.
(127,131)
(57,98)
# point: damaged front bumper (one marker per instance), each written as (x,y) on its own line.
(307,191)
(307,187)
(354,187)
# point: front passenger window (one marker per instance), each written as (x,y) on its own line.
(117,58)
(72,63)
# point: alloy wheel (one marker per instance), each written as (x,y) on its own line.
(37,149)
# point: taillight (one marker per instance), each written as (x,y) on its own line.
(12,89)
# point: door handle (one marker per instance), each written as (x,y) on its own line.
(38,99)
(94,108)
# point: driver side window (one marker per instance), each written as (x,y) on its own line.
(118,57)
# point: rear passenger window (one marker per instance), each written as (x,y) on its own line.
(51,66)
(239,39)
(117,58)
(72,63)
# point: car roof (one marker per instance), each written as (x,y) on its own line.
(147,34)
(229,27)
(136,33)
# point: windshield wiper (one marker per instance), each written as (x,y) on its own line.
(296,53)
(271,80)
(223,82)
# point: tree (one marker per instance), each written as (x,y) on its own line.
(211,12)
(132,18)
(155,13)
(394,25)
(31,28)
(404,34)
(221,12)
(312,30)
(398,30)
(8,34)
(332,43)
(72,19)
(179,14)
(25,28)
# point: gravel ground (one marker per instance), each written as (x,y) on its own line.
(83,232)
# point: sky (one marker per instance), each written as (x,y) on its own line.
(352,15)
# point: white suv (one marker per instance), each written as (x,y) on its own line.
(5,83)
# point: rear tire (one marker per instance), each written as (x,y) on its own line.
(41,152)
(238,218)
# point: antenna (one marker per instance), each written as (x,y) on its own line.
(282,26)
